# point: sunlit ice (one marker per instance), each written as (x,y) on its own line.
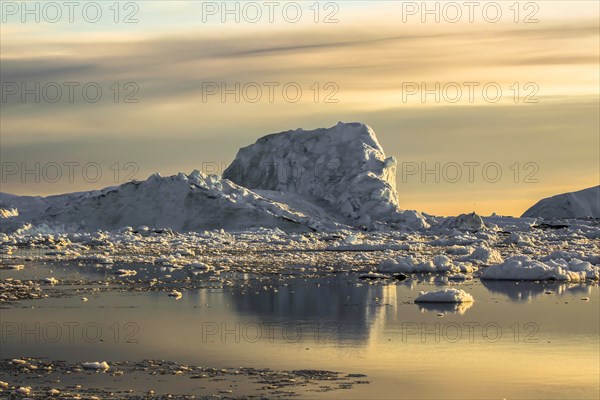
(316,199)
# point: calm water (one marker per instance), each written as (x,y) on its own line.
(515,341)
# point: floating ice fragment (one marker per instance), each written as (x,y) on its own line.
(445,296)
(410,264)
(373,275)
(23,390)
(96,258)
(469,222)
(201,266)
(524,268)
(485,255)
(518,239)
(98,366)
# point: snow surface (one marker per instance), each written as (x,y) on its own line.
(194,202)
(581,204)
(450,295)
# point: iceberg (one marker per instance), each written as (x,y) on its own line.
(580,204)
(445,296)
(295,181)
(524,268)
(342,169)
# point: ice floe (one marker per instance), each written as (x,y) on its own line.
(411,264)
(524,268)
(450,295)
(96,365)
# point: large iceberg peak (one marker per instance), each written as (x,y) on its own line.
(342,168)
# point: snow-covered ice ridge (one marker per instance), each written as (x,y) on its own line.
(184,203)
(580,204)
(325,179)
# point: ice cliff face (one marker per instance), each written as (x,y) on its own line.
(580,204)
(342,169)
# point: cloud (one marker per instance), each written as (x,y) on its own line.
(173,51)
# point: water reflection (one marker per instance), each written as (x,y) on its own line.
(372,328)
(523,291)
(344,311)
(458,308)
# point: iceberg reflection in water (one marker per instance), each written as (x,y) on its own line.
(458,308)
(523,291)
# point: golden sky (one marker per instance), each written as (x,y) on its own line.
(455,100)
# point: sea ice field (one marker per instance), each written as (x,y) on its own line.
(265,313)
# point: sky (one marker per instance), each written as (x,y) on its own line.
(487,106)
